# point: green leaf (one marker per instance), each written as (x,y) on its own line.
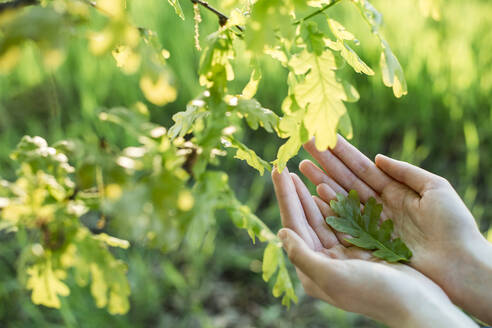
(185,120)
(256,115)
(211,193)
(393,75)
(346,52)
(177,8)
(215,63)
(365,229)
(35,152)
(109,285)
(248,155)
(313,38)
(283,285)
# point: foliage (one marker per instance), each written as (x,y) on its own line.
(156,171)
(64,101)
(365,228)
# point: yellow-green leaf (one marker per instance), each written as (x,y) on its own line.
(321,94)
(177,8)
(270,260)
(346,51)
(47,284)
(393,75)
(248,155)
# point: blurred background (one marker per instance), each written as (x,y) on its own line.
(444,124)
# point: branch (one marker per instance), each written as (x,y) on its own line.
(16,4)
(319,11)
(222,18)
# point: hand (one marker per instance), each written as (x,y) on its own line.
(428,214)
(349,277)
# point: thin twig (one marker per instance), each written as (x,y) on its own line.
(319,11)
(222,18)
(94,5)
(16,4)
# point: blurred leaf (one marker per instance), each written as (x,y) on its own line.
(177,8)
(183,121)
(47,284)
(250,89)
(346,52)
(283,285)
(159,91)
(393,75)
(291,126)
(248,155)
(112,241)
(256,115)
(270,260)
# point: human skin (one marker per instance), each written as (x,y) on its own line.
(349,277)
(428,214)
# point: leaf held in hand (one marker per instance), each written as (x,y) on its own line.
(365,229)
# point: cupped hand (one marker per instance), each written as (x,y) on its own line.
(428,215)
(350,278)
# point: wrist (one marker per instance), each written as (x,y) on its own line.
(429,311)
(471,289)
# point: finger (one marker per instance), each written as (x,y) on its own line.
(360,165)
(412,176)
(323,271)
(323,206)
(326,211)
(313,214)
(340,172)
(291,210)
(318,176)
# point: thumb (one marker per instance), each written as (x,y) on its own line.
(317,267)
(414,177)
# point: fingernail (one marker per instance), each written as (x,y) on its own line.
(282,234)
(381,155)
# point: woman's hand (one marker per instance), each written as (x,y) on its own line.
(350,278)
(428,214)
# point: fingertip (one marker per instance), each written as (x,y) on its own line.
(288,239)
(295,178)
(283,233)
(304,165)
(325,191)
(380,157)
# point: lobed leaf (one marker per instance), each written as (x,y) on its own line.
(248,155)
(365,229)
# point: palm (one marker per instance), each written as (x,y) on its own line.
(428,214)
(305,215)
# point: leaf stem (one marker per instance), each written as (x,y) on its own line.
(222,17)
(317,12)
(16,4)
